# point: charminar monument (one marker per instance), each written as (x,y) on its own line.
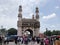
(28,25)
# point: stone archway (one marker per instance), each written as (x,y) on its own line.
(29,32)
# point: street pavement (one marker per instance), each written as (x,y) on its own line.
(19,43)
(13,43)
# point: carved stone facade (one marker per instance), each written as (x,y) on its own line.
(31,25)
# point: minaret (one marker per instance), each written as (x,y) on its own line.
(33,16)
(37,18)
(20,13)
(37,14)
(19,23)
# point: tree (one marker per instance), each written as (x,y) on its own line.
(47,33)
(3,31)
(54,32)
(12,31)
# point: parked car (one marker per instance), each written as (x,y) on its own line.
(10,38)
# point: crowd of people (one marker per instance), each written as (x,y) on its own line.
(26,40)
(41,41)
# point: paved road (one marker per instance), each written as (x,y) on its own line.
(13,43)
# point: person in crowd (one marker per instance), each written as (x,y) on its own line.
(42,42)
(16,40)
(0,40)
(57,41)
(21,40)
(25,41)
(51,41)
(34,39)
(38,40)
(29,39)
(46,41)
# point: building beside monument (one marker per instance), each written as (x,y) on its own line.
(28,25)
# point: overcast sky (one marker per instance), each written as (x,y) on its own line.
(49,12)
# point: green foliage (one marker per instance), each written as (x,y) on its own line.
(47,32)
(54,32)
(3,31)
(12,31)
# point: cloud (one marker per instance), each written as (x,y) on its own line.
(7,22)
(57,7)
(53,26)
(30,5)
(3,8)
(49,16)
(9,10)
(28,16)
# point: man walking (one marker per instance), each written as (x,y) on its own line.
(0,40)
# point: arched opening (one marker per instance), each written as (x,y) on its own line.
(29,32)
